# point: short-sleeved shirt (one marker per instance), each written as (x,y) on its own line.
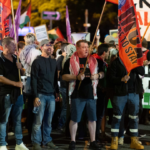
(86,89)
(8,70)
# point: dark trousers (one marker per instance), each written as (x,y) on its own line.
(100,110)
(30,100)
(119,103)
(124,120)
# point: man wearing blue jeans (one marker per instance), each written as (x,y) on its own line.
(10,98)
(62,89)
(44,83)
(127,89)
(86,95)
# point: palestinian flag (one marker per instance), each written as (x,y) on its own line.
(55,33)
(25,16)
(113,1)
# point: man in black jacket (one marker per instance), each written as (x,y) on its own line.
(103,54)
(44,83)
(127,89)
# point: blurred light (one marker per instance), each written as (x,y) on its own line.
(106,35)
(25,30)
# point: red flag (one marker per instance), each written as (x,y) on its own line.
(5,6)
(130,47)
(113,1)
(5,10)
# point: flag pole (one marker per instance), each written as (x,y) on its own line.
(16,41)
(100,19)
(145,31)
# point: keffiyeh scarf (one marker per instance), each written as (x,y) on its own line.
(75,68)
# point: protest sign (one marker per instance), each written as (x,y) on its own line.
(80,36)
(114,33)
(41,33)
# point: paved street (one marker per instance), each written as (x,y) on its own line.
(60,140)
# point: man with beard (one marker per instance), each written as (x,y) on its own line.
(86,95)
(10,92)
(44,83)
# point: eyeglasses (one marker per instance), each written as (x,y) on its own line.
(49,45)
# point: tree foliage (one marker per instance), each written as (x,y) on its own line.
(76,13)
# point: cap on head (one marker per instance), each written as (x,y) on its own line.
(43,42)
(109,39)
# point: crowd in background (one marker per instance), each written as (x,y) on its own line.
(51,73)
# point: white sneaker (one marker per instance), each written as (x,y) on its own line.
(121,141)
(10,133)
(3,148)
(21,147)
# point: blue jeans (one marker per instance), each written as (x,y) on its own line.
(63,114)
(45,114)
(119,102)
(16,116)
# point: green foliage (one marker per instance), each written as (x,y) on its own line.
(76,13)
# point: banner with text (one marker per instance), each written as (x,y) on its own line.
(143,15)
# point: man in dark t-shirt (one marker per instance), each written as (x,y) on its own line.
(10,101)
(85,95)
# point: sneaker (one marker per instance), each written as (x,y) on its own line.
(94,146)
(21,147)
(51,145)
(3,148)
(72,145)
(10,133)
(121,141)
(36,147)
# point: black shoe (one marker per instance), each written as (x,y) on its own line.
(36,147)
(94,146)
(72,145)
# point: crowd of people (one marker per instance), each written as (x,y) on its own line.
(82,78)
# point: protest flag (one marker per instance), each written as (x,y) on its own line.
(5,10)
(55,33)
(130,47)
(68,27)
(13,17)
(99,22)
(113,1)
(17,22)
(25,15)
